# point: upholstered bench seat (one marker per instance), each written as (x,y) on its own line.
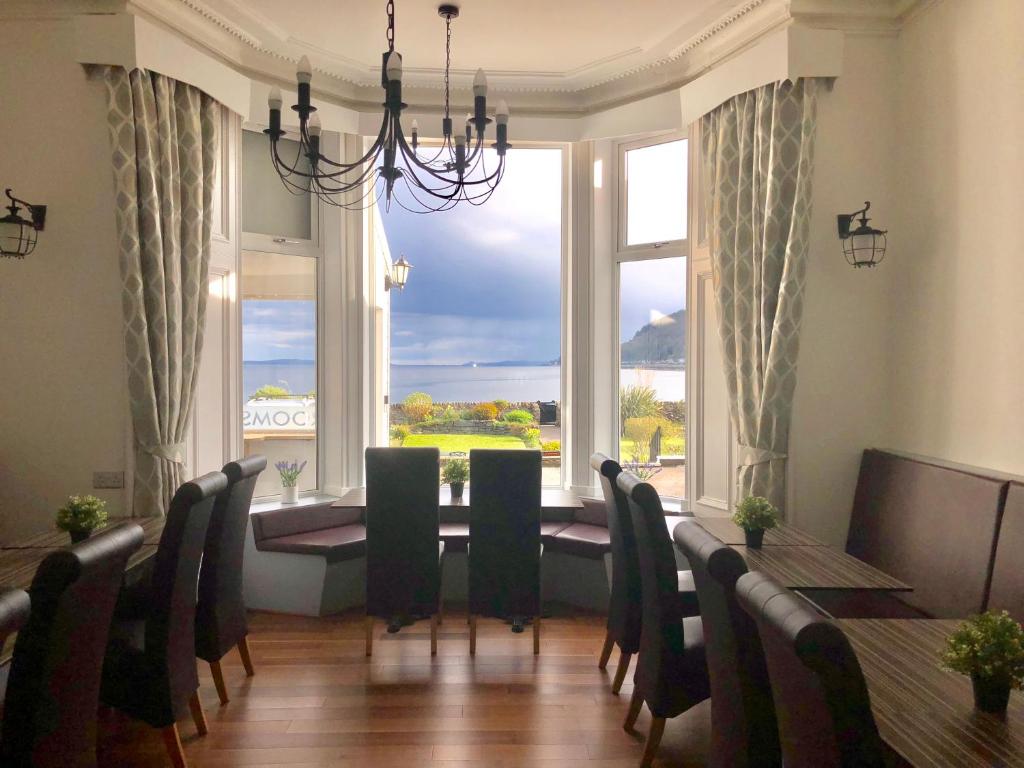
(344,542)
(582,540)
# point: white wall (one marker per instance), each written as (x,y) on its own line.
(64,411)
(841,398)
(957,320)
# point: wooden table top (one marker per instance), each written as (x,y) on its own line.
(726,531)
(818,568)
(923,712)
(550,498)
(20,560)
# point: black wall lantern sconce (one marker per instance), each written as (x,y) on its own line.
(18,234)
(398,275)
(863,246)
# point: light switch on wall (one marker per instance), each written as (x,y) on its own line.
(108,479)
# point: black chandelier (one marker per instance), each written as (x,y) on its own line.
(437,181)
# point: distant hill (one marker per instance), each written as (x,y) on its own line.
(511,364)
(661,341)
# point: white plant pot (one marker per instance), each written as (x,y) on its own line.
(290,494)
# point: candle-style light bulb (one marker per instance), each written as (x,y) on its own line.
(314,127)
(274,99)
(415,127)
(304,71)
(480,83)
(394,66)
(502,112)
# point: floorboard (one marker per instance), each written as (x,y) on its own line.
(317,701)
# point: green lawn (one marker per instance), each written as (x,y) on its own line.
(672,446)
(449,443)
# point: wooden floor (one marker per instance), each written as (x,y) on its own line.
(316,700)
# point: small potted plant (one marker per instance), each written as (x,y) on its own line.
(755,515)
(81,516)
(988,648)
(456,473)
(289,471)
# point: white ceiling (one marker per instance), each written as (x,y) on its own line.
(562,45)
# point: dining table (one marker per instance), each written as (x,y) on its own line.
(551,499)
(797,560)
(925,713)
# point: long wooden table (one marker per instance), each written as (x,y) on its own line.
(923,712)
(19,560)
(550,499)
(799,561)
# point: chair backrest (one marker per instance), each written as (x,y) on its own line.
(930,525)
(220,611)
(625,602)
(14,609)
(504,532)
(744,732)
(170,620)
(821,698)
(402,516)
(662,642)
(54,685)
(1007,591)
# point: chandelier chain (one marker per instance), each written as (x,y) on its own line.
(447,60)
(391,25)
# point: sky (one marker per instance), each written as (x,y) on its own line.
(485,284)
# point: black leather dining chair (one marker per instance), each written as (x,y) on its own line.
(624,604)
(744,732)
(504,539)
(403,547)
(150,667)
(14,610)
(671,671)
(821,698)
(52,697)
(221,622)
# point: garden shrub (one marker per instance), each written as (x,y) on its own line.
(635,402)
(517,417)
(270,391)
(466,414)
(485,412)
(518,430)
(400,432)
(641,431)
(418,406)
(501,405)
(551,445)
(532,438)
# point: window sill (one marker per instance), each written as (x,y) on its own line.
(270,505)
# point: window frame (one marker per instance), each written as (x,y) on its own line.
(312,248)
(646,252)
(566,299)
(657,250)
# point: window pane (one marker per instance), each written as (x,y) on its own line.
(268,206)
(656,193)
(652,375)
(476,335)
(278,294)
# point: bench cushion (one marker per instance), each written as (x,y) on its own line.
(303,519)
(1007,593)
(932,526)
(582,540)
(594,512)
(344,542)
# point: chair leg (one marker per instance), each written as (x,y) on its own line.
(218,681)
(472,635)
(198,716)
(653,740)
(369,635)
(172,741)
(433,634)
(243,651)
(620,671)
(536,635)
(634,710)
(606,651)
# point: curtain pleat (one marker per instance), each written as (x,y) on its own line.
(164,148)
(757,151)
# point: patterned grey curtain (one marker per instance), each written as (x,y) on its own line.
(164,142)
(757,153)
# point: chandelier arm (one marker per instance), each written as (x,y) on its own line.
(371,153)
(344,188)
(409,155)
